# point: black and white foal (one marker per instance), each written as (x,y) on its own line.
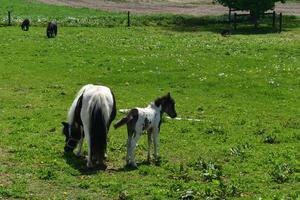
(90,115)
(147,119)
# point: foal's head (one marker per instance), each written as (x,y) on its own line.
(167,104)
(73,135)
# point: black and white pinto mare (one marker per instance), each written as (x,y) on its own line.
(146,119)
(90,116)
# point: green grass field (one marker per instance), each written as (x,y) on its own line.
(244,88)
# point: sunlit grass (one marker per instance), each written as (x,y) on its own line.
(244,89)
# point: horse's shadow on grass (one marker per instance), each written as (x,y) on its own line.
(75,162)
(79,163)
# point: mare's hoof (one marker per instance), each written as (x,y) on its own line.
(131,166)
(102,167)
(147,162)
(78,155)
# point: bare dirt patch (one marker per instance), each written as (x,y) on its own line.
(4,177)
(193,7)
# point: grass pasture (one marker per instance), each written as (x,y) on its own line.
(244,88)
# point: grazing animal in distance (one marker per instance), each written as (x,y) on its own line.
(51,29)
(90,116)
(25,25)
(146,119)
(225,33)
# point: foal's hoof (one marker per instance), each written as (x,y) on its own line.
(157,161)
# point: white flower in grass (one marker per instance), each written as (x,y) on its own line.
(273,83)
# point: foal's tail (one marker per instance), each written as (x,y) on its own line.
(133,114)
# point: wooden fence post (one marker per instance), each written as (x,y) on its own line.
(234,21)
(280,22)
(274,19)
(9,18)
(229,15)
(128,19)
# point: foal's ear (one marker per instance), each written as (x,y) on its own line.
(168,95)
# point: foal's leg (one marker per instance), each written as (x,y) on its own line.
(128,147)
(132,147)
(149,144)
(155,138)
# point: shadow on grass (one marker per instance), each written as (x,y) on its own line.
(181,23)
(217,24)
(79,163)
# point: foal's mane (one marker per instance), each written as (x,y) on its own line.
(161,100)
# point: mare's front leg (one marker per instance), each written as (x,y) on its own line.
(80,143)
(89,163)
(79,151)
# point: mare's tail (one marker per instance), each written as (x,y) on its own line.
(98,132)
(133,114)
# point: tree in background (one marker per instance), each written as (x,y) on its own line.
(256,7)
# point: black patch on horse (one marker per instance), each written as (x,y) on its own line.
(146,124)
(51,29)
(75,128)
(25,25)
(77,117)
(167,104)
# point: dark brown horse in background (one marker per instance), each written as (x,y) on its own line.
(51,30)
(25,25)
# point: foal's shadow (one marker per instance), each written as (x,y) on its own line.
(132,168)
